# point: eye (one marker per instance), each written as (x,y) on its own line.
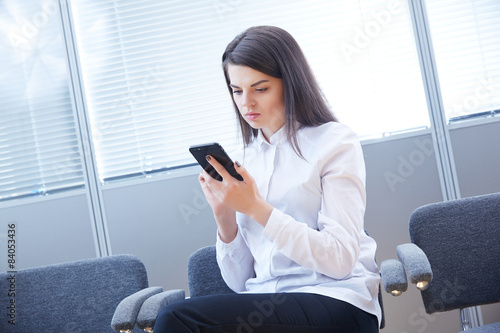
(237,92)
(261,90)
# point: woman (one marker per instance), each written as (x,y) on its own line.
(291,240)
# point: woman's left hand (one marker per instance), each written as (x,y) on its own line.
(242,196)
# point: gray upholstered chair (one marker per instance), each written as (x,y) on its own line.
(204,274)
(79,296)
(205,277)
(454,257)
(142,307)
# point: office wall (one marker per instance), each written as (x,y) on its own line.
(477,158)
(48,230)
(162,222)
(163,219)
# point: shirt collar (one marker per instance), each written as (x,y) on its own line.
(276,139)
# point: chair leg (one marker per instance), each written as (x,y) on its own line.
(470,318)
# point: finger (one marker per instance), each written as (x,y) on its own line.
(210,182)
(242,171)
(201,177)
(205,177)
(218,167)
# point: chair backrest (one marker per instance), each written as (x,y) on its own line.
(204,275)
(461,239)
(79,296)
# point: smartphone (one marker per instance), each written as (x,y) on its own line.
(216,151)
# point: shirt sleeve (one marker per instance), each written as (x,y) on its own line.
(235,262)
(333,248)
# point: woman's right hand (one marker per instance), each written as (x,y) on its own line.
(225,217)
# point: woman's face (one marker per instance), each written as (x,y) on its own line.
(259,98)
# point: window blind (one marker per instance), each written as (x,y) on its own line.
(466,41)
(153,83)
(39,150)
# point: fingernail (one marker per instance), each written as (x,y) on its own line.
(208,157)
(238,164)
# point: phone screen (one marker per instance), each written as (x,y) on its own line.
(216,151)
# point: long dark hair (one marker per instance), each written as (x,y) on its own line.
(274,52)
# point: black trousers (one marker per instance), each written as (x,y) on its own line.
(262,313)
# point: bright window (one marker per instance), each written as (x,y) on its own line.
(466,41)
(39,148)
(153,82)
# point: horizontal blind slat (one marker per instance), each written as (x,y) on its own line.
(39,148)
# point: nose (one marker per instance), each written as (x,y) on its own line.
(247,100)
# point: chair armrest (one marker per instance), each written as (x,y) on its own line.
(393,276)
(149,310)
(416,263)
(126,312)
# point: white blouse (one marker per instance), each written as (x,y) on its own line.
(314,240)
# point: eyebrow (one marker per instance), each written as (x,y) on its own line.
(253,85)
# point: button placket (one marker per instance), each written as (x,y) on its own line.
(269,152)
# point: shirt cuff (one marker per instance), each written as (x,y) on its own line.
(229,249)
(274,224)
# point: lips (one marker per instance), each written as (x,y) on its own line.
(251,115)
